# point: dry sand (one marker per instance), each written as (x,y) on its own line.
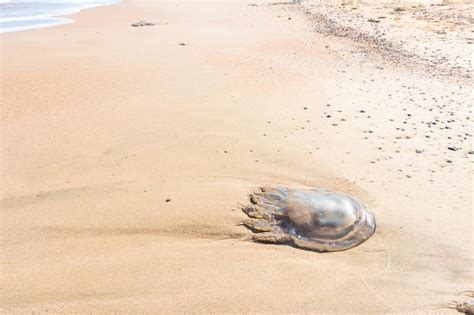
(103,122)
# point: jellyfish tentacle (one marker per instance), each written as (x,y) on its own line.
(262,199)
(264,211)
(267,201)
(257,199)
(259,226)
(265,189)
(257,212)
(273,196)
(276,237)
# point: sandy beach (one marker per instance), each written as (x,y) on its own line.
(127,152)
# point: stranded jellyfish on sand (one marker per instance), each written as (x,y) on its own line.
(317,219)
(466,307)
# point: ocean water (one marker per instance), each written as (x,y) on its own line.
(18,15)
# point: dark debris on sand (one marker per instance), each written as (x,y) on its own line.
(142,23)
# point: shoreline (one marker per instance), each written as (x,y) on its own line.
(55,19)
(97,137)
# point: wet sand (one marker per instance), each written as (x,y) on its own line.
(127,151)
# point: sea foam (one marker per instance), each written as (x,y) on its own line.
(18,15)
